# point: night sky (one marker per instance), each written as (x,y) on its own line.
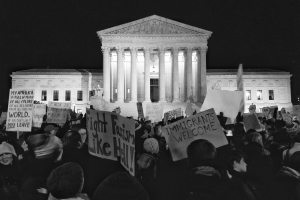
(62,33)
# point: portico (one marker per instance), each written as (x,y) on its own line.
(154,47)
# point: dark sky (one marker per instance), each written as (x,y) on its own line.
(62,33)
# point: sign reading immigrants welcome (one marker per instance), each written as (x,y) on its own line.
(204,125)
(19,117)
(112,136)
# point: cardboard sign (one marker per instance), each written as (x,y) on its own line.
(154,111)
(111,136)
(39,110)
(224,101)
(58,112)
(204,125)
(251,121)
(19,110)
(173,114)
(140,110)
(265,111)
(3,117)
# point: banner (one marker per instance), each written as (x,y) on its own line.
(154,111)
(224,101)
(111,136)
(140,110)
(39,110)
(204,125)
(58,112)
(19,110)
(251,121)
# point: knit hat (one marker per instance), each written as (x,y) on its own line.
(43,145)
(120,186)
(49,128)
(151,146)
(65,181)
(292,129)
(7,148)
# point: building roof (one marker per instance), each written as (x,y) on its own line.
(261,71)
(40,71)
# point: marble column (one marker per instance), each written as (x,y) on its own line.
(203,89)
(147,75)
(175,74)
(106,73)
(133,80)
(121,72)
(162,85)
(189,74)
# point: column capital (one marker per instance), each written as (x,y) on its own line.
(203,49)
(120,49)
(105,49)
(146,49)
(189,50)
(161,50)
(175,50)
(133,49)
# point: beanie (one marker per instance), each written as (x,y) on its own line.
(292,129)
(151,146)
(7,148)
(44,145)
(120,186)
(65,181)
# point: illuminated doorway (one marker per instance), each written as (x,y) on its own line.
(154,90)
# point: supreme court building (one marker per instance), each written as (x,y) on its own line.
(153,59)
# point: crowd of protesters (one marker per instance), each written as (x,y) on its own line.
(53,162)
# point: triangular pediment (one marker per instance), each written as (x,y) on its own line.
(154,25)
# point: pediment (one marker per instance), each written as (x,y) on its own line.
(154,25)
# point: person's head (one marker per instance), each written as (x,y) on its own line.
(7,153)
(81,130)
(151,146)
(51,129)
(72,139)
(294,161)
(45,146)
(235,161)
(200,153)
(66,181)
(254,137)
(120,186)
(158,130)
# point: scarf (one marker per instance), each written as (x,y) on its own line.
(206,171)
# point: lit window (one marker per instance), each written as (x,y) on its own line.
(55,95)
(44,95)
(271,95)
(68,95)
(259,95)
(92,93)
(248,94)
(79,95)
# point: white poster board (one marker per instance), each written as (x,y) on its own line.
(58,112)
(19,112)
(39,110)
(154,111)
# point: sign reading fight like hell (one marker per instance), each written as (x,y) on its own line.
(204,125)
(19,112)
(111,136)
(58,112)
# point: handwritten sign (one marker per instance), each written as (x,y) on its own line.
(251,121)
(173,113)
(19,110)
(58,112)
(39,110)
(154,111)
(111,136)
(204,125)
(140,110)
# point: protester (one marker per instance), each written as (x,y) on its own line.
(10,173)
(120,186)
(51,129)
(66,182)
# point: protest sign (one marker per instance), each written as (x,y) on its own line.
(204,125)
(189,109)
(224,101)
(39,110)
(111,136)
(58,112)
(19,110)
(3,117)
(140,110)
(154,111)
(173,113)
(251,121)
(265,111)
(252,108)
